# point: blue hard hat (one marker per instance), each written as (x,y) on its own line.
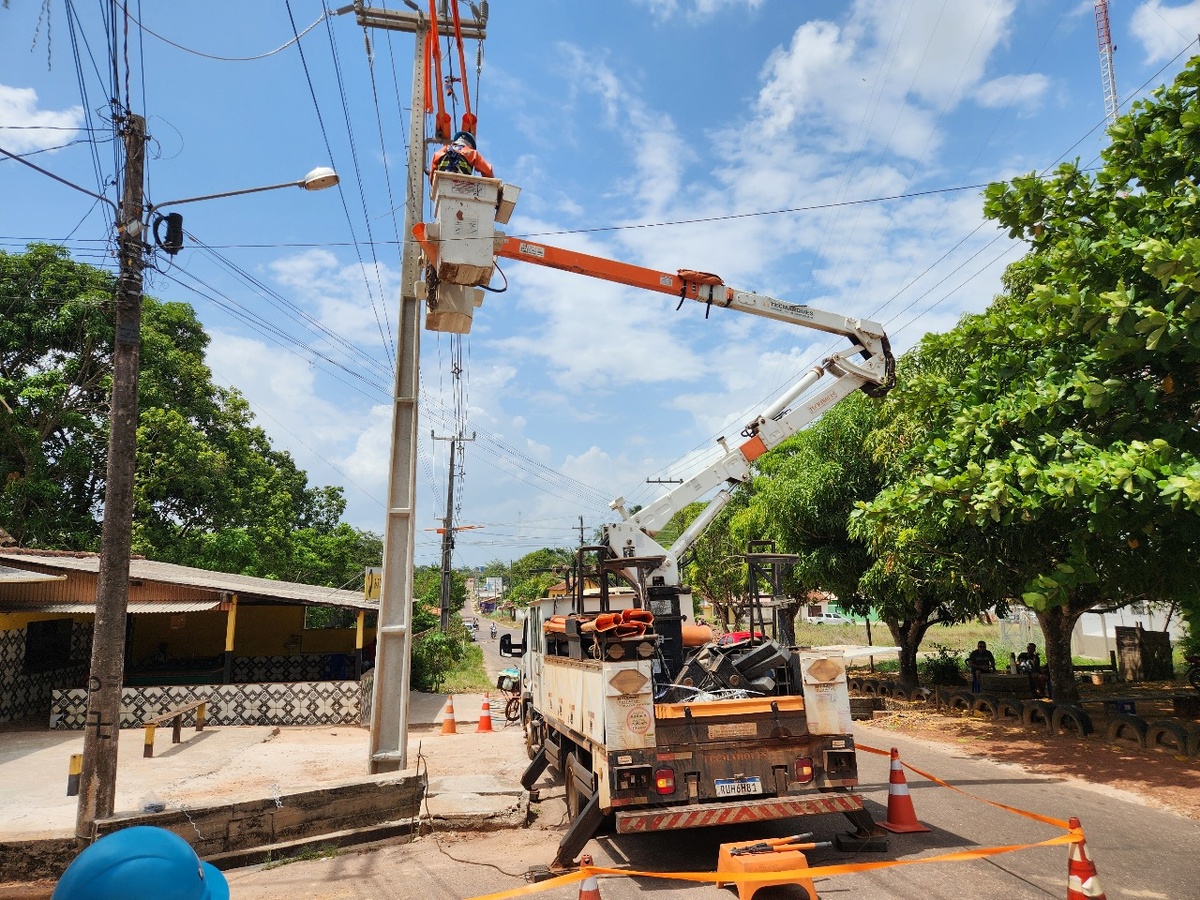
(141,862)
(466,136)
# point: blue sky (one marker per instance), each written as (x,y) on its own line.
(822,152)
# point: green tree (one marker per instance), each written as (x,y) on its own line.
(1072,446)
(55,346)
(210,490)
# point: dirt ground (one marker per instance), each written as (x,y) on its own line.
(1156,777)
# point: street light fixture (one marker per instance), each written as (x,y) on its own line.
(97,786)
(317,180)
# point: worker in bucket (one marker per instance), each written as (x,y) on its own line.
(460,156)
(140,862)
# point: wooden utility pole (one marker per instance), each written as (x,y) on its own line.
(98,778)
(393,650)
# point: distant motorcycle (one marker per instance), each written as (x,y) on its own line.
(493,631)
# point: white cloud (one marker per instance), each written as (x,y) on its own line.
(1164,30)
(883,79)
(695,10)
(24,127)
(1024,91)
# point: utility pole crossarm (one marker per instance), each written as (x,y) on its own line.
(399,20)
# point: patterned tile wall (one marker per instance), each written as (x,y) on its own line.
(302,667)
(297,703)
(23,696)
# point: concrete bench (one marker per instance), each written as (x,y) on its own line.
(175,717)
(1001,684)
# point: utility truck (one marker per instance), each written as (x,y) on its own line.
(651,724)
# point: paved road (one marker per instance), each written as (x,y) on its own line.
(1141,853)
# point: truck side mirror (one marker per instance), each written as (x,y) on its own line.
(508,648)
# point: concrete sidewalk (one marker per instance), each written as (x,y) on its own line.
(470,774)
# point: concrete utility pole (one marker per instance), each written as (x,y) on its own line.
(98,778)
(448,530)
(393,655)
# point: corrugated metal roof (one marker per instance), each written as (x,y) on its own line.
(163,606)
(9,575)
(245,586)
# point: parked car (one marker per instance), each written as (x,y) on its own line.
(828,618)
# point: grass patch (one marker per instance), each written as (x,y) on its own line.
(468,676)
(324,851)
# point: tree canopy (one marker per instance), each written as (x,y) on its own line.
(210,490)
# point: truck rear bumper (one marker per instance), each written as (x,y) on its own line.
(703,815)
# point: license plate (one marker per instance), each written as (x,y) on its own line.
(738,787)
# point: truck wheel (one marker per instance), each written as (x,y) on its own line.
(573,774)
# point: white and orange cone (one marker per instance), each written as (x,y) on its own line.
(589,888)
(448,724)
(901,817)
(485,716)
(1082,881)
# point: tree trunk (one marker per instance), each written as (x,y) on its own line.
(908,636)
(785,622)
(1057,624)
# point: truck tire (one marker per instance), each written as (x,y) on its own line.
(885,689)
(1067,718)
(1125,728)
(1037,715)
(854,684)
(1167,735)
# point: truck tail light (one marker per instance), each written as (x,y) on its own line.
(664,781)
(804,770)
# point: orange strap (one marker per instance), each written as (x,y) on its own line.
(441,123)
(468,120)
(1048,820)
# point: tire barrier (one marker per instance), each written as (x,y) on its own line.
(900,692)
(961,701)
(1007,708)
(1071,719)
(1036,714)
(854,684)
(921,694)
(870,686)
(885,689)
(1126,727)
(1166,735)
(985,705)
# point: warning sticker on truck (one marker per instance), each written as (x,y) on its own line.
(732,730)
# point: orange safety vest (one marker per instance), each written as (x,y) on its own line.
(459,158)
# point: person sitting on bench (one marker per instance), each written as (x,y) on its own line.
(1030,664)
(980,660)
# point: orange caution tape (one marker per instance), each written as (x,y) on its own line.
(758,877)
(1048,820)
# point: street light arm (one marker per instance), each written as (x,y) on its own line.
(57,178)
(316,180)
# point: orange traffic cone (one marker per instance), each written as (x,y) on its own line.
(589,888)
(485,716)
(448,724)
(901,817)
(1082,881)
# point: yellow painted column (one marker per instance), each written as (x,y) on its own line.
(230,632)
(358,643)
